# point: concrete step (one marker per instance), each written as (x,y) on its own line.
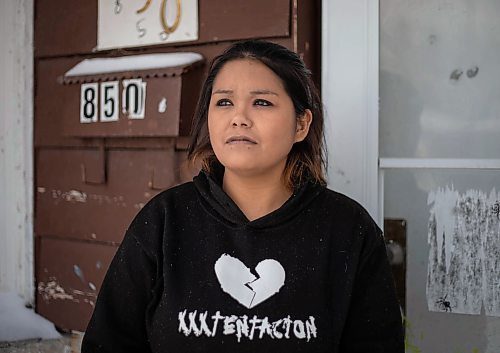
(69,343)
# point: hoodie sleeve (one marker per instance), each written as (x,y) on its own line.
(118,323)
(374,322)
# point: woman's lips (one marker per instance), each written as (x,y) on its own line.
(240,139)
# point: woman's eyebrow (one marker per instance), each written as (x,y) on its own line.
(254,92)
(222,91)
(264,91)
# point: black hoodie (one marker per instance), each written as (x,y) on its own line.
(193,274)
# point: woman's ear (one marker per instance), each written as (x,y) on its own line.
(303,124)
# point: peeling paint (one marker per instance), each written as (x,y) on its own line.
(75,195)
(162,106)
(70,196)
(118,200)
(80,196)
(139,205)
(78,272)
(88,301)
(83,294)
(464,255)
(52,290)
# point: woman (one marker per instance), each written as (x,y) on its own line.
(256,254)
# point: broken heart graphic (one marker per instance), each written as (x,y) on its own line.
(240,283)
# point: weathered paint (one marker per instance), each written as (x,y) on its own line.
(53,290)
(162,106)
(80,196)
(464,254)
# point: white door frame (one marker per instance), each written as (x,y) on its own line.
(16,148)
(350,90)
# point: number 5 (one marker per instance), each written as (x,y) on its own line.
(109,101)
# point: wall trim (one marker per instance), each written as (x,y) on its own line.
(350,80)
(16,149)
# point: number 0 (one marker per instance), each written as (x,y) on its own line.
(134,98)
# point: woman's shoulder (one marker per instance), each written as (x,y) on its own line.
(148,225)
(181,193)
(155,211)
(349,211)
(339,200)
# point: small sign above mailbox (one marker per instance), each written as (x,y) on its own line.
(127,23)
(132,96)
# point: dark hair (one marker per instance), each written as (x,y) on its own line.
(306,160)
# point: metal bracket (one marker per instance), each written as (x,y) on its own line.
(94,170)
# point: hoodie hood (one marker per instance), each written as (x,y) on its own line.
(221,206)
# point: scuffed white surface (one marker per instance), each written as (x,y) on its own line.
(443,205)
(120,25)
(133,63)
(464,254)
(20,323)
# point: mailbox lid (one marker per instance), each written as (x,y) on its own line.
(152,65)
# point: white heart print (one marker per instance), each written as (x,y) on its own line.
(240,283)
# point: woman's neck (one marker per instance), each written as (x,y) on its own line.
(256,196)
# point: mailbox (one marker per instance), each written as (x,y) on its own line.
(132,96)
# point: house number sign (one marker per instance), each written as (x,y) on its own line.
(132,23)
(100,102)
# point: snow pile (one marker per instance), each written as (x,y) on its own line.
(20,323)
(133,63)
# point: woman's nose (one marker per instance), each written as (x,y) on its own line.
(241,118)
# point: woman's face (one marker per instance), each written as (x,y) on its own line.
(251,119)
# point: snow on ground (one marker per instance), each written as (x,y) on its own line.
(20,323)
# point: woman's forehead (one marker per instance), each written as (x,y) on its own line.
(247,74)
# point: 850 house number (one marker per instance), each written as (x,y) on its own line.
(100,102)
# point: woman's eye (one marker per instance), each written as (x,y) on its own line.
(262,102)
(223,103)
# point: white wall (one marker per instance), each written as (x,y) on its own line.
(16,148)
(350,94)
